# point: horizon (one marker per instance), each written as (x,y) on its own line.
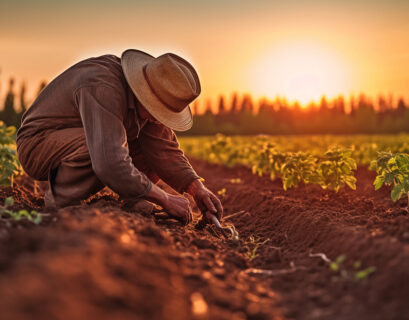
(299,50)
(202,103)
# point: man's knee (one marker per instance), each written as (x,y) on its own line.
(68,184)
(40,154)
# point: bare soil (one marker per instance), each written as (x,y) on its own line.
(101,260)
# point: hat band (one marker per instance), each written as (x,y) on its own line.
(158,96)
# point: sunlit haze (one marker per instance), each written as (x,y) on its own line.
(300,50)
(300,71)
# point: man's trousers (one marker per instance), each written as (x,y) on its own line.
(62,158)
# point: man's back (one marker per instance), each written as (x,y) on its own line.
(56,106)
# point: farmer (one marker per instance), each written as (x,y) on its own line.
(108,121)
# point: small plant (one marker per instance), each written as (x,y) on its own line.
(9,164)
(252,245)
(336,169)
(32,216)
(357,275)
(299,167)
(365,273)
(392,169)
(337,267)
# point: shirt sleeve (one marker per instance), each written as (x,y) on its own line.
(100,108)
(161,151)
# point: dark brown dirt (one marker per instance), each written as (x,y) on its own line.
(102,261)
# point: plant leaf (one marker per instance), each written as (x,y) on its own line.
(9,201)
(360,275)
(396,192)
(379,180)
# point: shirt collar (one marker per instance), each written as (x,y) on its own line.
(132,104)
(132,101)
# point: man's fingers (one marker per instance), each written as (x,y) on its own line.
(186,218)
(201,206)
(190,217)
(181,211)
(218,205)
(209,204)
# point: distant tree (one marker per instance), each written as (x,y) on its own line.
(208,109)
(390,100)
(221,109)
(0,82)
(296,106)
(9,115)
(339,105)
(264,106)
(23,105)
(281,103)
(352,104)
(324,104)
(365,119)
(382,104)
(247,104)
(364,102)
(234,108)
(401,107)
(311,106)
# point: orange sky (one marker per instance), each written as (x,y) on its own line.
(298,49)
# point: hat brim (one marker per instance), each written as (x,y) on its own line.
(132,62)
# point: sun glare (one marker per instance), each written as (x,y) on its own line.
(301,72)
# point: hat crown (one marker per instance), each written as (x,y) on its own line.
(173,80)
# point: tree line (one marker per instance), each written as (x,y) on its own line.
(15,104)
(357,115)
(243,115)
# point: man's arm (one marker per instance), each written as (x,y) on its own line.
(161,150)
(100,109)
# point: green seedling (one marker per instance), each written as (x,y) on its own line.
(358,275)
(336,169)
(9,165)
(365,273)
(393,170)
(252,245)
(336,265)
(32,216)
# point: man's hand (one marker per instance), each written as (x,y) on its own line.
(179,208)
(205,199)
(176,206)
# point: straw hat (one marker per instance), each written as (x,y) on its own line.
(164,85)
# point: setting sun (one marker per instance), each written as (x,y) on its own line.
(299,71)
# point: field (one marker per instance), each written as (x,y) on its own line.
(327,247)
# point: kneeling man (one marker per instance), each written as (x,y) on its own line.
(109,121)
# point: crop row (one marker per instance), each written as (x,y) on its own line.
(364,148)
(328,161)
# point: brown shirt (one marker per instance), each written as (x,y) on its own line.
(94,94)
